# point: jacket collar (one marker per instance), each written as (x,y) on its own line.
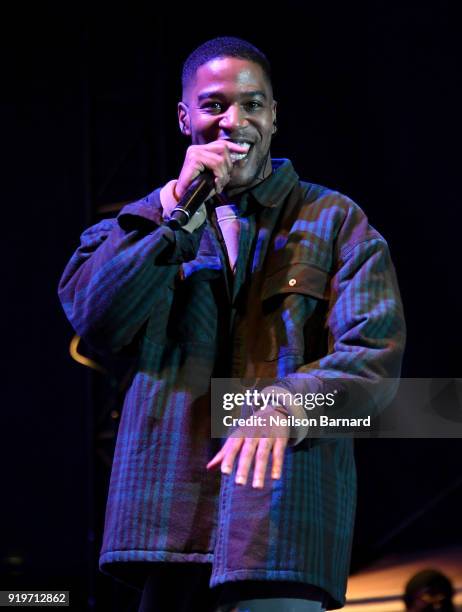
(273,190)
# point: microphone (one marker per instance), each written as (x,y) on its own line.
(193,197)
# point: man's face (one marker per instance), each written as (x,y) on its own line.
(232,99)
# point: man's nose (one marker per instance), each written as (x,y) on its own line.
(234,117)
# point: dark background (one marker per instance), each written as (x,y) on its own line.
(368,104)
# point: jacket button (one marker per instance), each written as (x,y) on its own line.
(292,282)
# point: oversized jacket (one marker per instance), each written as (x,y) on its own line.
(317,296)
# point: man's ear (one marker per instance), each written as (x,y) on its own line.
(273,110)
(183,119)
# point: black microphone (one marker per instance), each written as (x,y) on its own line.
(193,197)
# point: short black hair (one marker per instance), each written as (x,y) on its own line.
(223,46)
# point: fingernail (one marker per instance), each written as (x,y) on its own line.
(240,480)
(275,474)
(226,469)
(258,484)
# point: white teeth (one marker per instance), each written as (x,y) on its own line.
(237,156)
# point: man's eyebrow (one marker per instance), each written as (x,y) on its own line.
(217,94)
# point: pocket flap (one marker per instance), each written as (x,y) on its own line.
(297,277)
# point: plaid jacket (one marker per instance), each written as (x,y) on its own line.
(134,280)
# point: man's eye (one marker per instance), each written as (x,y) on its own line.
(212,107)
(253,105)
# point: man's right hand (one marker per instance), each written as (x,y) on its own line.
(213,156)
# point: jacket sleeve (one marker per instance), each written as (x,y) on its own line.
(121,270)
(365,326)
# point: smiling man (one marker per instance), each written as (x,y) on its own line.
(228,101)
(272,278)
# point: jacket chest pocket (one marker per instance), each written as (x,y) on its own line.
(294,308)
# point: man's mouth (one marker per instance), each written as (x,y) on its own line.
(235,157)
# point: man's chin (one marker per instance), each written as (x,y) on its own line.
(241,179)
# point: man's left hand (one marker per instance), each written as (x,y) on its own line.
(254,444)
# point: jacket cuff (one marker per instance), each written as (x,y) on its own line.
(146,215)
(286,400)
(142,213)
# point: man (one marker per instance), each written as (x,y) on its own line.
(271,278)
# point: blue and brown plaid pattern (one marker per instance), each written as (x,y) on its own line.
(315,294)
